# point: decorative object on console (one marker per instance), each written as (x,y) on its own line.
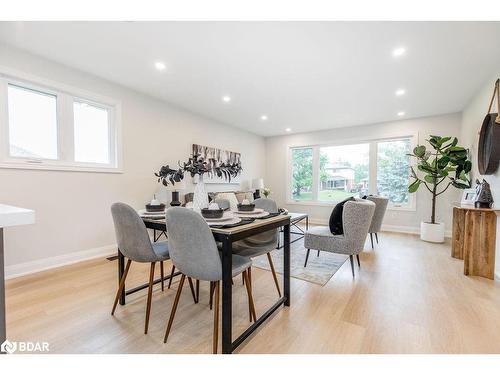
(257,184)
(198,166)
(214,157)
(484,198)
(446,163)
(267,192)
(468,197)
(488,151)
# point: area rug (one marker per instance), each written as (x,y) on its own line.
(319,270)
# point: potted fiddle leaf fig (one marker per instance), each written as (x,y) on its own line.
(443,165)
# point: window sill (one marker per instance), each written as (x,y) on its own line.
(59,167)
(333,203)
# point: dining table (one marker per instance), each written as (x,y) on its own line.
(227,235)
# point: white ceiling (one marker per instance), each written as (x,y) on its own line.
(303,75)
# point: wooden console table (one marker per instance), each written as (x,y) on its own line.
(474,239)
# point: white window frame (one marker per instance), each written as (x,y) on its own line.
(65,97)
(372,170)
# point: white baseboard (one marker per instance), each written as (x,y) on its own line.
(386,228)
(21,269)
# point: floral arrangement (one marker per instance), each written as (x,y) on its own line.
(197,165)
(267,192)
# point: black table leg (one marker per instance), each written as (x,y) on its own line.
(227,303)
(121,269)
(286,264)
(3,330)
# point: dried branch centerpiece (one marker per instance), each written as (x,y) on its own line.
(196,165)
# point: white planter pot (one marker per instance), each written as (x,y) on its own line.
(200,197)
(432,232)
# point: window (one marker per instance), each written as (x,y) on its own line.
(32,123)
(343,172)
(393,171)
(91,133)
(331,173)
(302,174)
(47,126)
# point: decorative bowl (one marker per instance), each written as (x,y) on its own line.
(155,208)
(246,207)
(212,214)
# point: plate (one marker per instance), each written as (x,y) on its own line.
(254,215)
(144,213)
(227,216)
(233,220)
(255,211)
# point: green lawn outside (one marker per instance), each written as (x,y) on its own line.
(326,195)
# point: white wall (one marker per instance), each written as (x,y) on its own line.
(276,167)
(472,119)
(72,208)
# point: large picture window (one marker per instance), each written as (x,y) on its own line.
(331,173)
(46,126)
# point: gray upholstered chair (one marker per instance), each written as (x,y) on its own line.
(223,203)
(195,254)
(262,243)
(134,243)
(378,216)
(356,219)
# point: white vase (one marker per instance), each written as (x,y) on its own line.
(432,232)
(200,197)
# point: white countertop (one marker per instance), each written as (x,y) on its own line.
(11,216)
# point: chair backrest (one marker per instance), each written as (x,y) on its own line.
(357,217)
(223,203)
(380,208)
(270,237)
(192,246)
(131,233)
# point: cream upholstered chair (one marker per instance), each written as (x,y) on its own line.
(378,217)
(357,217)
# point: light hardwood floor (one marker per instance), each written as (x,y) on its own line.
(408,297)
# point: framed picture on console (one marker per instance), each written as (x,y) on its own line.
(217,156)
(468,197)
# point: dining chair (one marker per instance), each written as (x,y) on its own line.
(262,243)
(194,253)
(378,217)
(134,243)
(357,217)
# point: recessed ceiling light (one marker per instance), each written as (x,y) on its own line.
(288,130)
(400,51)
(400,92)
(160,65)
(401,113)
(226,99)
(263,117)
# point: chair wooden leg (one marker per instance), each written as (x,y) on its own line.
(216,318)
(307,257)
(171,276)
(376,237)
(174,307)
(212,288)
(371,239)
(197,290)
(250,298)
(162,276)
(352,264)
(242,280)
(121,286)
(249,274)
(357,257)
(150,296)
(191,286)
(270,259)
